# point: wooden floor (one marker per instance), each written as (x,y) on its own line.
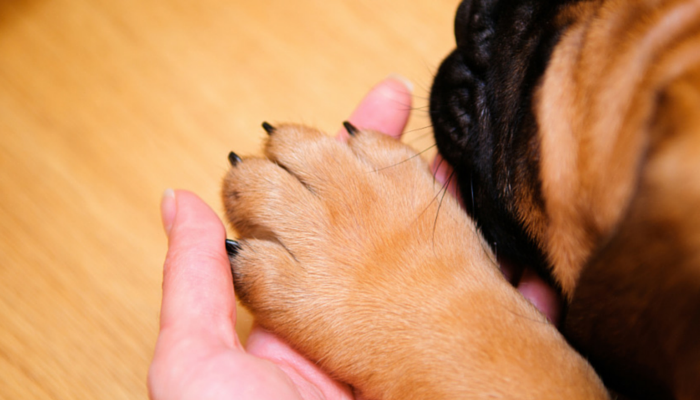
(104,104)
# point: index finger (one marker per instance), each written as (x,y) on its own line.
(198,294)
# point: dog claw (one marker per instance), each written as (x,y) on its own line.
(232,248)
(352,129)
(268,128)
(233,159)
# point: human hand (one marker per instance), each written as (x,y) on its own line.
(198,354)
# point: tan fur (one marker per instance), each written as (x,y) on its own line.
(674,169)
(620,136)
(594,110)
(353,254)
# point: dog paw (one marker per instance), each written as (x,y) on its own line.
(359,259)
(338,240)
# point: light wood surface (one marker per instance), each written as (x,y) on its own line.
(104,104)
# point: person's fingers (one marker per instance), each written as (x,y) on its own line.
(197,288)
(198,309)
(305,375)
(385,108)
(541,295)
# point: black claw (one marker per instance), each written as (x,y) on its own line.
(268,128)
(352,129)
(232,248)
(233,159)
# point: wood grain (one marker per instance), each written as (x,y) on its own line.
(104,104)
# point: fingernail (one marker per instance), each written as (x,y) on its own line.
(352,130)
(168,209)
(232,248)
(233,159)
(405,81)
(268,128)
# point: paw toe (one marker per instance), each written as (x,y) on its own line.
(263,200)
(265,275)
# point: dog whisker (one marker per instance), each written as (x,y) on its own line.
(401,162)
(437,213)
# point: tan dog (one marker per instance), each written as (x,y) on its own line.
(352,253)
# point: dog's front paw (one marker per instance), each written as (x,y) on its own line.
(342,244)
(355,255)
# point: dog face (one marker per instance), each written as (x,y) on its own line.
(570,129)
(481,108)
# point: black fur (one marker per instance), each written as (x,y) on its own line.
(481,109)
